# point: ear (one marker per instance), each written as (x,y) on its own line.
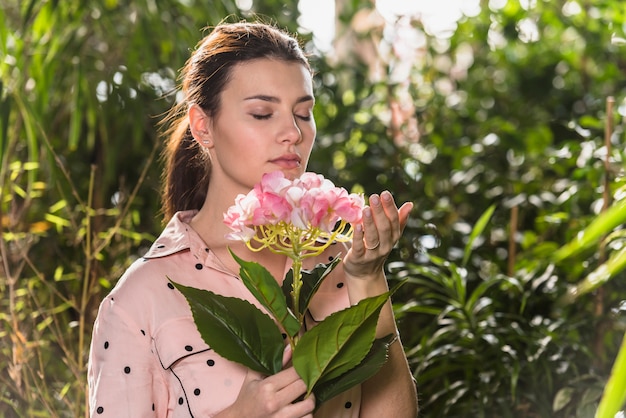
(200,126)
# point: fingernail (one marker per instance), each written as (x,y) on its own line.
(374,200)
(386,196)
(367,212)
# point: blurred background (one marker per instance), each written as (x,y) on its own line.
(502,120)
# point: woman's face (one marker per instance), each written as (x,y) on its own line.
(265,123)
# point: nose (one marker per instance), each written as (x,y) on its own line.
(291,132)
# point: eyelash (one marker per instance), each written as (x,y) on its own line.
(269,115)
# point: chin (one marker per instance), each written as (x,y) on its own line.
(293,173)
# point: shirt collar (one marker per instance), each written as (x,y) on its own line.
(175,237)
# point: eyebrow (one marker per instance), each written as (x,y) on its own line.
(274,99)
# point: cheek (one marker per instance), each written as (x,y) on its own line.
(311,129)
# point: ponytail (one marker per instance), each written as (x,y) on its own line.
(187,171)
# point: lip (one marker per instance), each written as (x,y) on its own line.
(287,161)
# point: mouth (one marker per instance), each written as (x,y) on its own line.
(287,161)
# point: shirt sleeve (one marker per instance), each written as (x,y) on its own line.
(122,374)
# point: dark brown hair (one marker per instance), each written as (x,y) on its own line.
(205,75)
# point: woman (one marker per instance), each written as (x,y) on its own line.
(247,111)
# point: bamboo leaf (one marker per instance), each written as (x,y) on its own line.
(615,390)
(601,225)
(76,117)
(268,292)
(480,290)
(5,110)
(250,337)
(371,364)
(602,274)
(479,227)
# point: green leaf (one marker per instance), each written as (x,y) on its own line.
(250,337)
(371,364)
(562,398)
(478,229)
(311,281)
(339,342)
(615,390)
(268,292)
(602,274)
(601,225)
(76,117)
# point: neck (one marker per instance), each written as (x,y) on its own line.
(209,224)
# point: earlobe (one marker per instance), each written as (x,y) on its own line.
(199,124)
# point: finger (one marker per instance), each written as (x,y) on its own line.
(283,378)
(379,214)
(292,392)
(357,236)
(287,355)
(404,212)
(303,408)
(391,210)
(371,238)
(294,386)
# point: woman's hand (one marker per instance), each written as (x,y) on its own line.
(273,396)
(376,236)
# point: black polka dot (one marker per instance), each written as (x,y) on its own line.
(196,391)
(284,335)
(100,410)
(206,249)
(143,332)
(127,370)
(199,266)
(180,400)
(161,246)
(153,407)
(330,258)
(106,345)
(210,362)
(171,286)
(339,285)
(348,405)
(188,348)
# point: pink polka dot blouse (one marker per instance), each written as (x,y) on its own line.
(147,358)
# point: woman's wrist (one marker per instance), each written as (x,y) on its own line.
(361,287)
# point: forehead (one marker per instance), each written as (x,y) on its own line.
(270,76)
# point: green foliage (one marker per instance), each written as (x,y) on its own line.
(269,293)
(615,391)
(82,85)
(339,343)
(250,337)
(311,281)
(509,110)
(339,352)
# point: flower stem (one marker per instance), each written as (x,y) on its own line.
(296,287)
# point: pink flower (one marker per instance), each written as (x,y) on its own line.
(239,217)
(309,203)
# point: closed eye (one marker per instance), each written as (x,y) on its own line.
(262,117)
(305,118)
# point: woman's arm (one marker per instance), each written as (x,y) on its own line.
(391,392)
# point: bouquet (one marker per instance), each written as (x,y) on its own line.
(299,219)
